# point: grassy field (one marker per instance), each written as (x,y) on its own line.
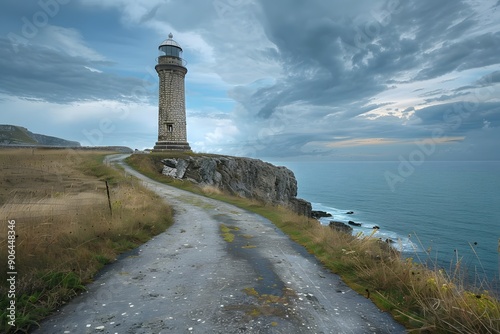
(424,300)
(65,228)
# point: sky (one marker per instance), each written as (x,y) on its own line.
(367,80)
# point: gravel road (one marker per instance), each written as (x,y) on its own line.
(191,279)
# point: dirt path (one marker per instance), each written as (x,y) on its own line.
(191,280)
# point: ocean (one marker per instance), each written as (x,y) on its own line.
(437,212)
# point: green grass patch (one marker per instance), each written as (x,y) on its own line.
(226,232)
(103,259)
(251,292)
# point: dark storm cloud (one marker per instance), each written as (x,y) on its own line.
(309,46)
(334,58)
(430,22)
(306,75)
(484,87)
(287,144)
(456,119)
(489,79)
(445,97)
(336,61)
(471,53)
(42,73)
(318,136)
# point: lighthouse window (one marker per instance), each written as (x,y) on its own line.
(171,51)
(170,127)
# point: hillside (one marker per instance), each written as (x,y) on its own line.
(13,135)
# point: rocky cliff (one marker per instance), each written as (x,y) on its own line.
(244,177)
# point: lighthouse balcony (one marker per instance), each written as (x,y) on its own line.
(170,60)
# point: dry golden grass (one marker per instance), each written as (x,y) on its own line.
(425,300)
(65,229)
(210,190)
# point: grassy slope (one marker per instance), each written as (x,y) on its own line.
(18,136)
(65,231)
(426,301)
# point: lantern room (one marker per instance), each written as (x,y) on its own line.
(170,48)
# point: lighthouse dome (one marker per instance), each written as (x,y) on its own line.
(170,42)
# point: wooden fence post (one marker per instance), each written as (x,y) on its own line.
(109,199)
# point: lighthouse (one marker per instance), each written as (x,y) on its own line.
(171,69)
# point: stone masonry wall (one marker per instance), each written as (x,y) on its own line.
(172,110)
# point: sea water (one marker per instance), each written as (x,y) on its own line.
(438,212)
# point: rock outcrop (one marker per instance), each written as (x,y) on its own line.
(320,214)
(244,177)
(339,226)
(350,222)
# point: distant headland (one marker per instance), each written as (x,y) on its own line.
(19,137)
(14,135)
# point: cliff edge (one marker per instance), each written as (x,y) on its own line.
(244,177)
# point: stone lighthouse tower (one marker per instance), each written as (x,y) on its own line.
(171,108)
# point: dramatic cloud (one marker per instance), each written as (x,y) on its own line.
(337,80)
(49,74)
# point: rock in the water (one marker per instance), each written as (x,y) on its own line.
(349,213)
(341,227)
(320,214)
(350,222)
